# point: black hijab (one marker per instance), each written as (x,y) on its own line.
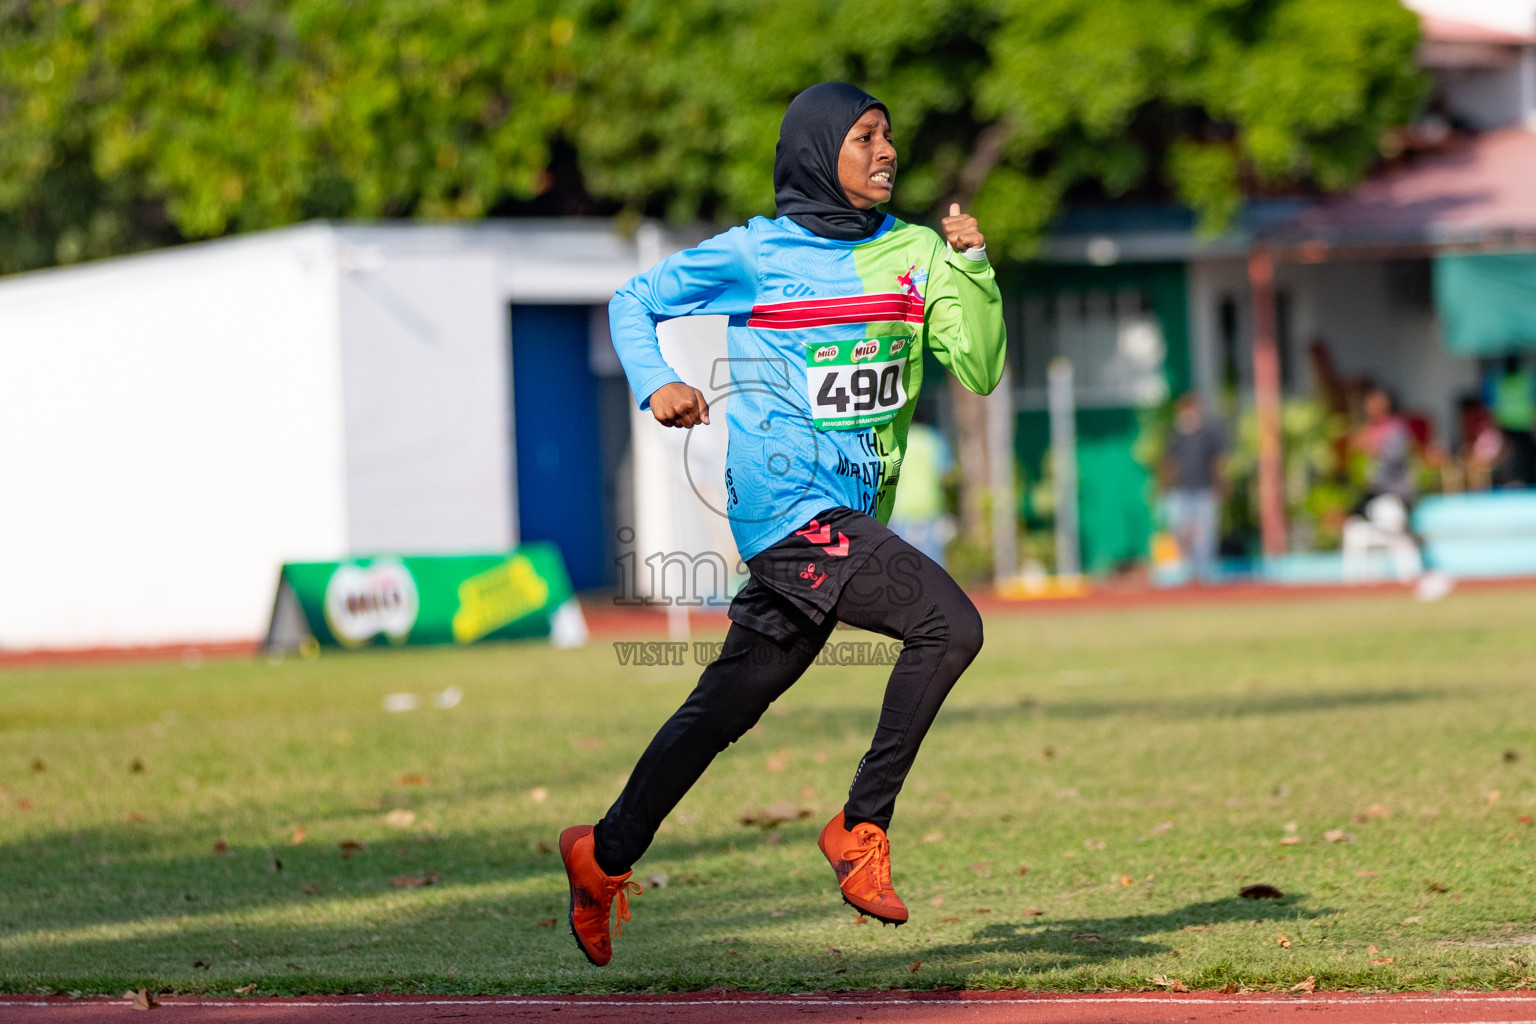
(805,185)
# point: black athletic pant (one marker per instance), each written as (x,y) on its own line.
(898,592)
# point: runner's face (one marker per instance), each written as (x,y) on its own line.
(866,165)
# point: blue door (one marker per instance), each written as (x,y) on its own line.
(555,423)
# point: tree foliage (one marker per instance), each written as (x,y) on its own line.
(126,123)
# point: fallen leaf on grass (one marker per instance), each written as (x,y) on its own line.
(775,814)
(933,837)
(220,846)
(38,766)
(1363,873)
(948,920)
(1492,797)
(1093,844)
(246,990)
(132,816)
(137,767)
(412,779)
(1171,984)
(1430,885)
(548,922)
(1283,942)
(1127,879)
(914,965)
(310,889)
(299,835)
(1310,985)
(861,919)
(292,965)
(1526,819)
(413,881)
(544,847)
(1033,913)
(776,763)
(1383,960)
(981,865)
(1412,920)
(1511,756)
(538,794)
(1337,835)
(1290,840)
(201,965)
(1087,936)
(1023,869)
(24,803)
(142,999)
(1372,950)
(1378,811)
(1260,891)
(349,847)
(400,818)
(982,910)
(1198,927)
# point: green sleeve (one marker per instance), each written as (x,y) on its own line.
(965,320)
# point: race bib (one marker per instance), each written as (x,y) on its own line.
(855,384)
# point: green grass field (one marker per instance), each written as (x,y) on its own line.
(1142,765)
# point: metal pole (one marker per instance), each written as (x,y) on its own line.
(1266,402)
(1005,554)
(1064,464)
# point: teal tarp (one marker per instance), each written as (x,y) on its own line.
(1487,303)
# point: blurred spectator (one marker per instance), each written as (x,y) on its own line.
(1192,472)
(920,515)
(1381,518)
(1481,444)
(1511,395)
(1388,446)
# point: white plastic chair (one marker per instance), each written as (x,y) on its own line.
(1384,527)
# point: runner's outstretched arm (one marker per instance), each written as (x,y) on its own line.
(717,276)
(965,319)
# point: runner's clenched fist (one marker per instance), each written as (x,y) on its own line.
(961,230)
(678,405)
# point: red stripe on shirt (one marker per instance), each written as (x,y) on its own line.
(850,309)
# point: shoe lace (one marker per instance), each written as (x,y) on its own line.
(619,890)
(876,848)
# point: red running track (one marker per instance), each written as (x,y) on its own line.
(881,1007)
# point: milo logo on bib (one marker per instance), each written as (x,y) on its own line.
(855,384)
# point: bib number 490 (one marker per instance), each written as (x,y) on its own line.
(871,389)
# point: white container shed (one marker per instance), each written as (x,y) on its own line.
(175,425)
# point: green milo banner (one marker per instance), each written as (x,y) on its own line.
(397,600)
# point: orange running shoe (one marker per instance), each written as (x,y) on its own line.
(862,860)
(592,895)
